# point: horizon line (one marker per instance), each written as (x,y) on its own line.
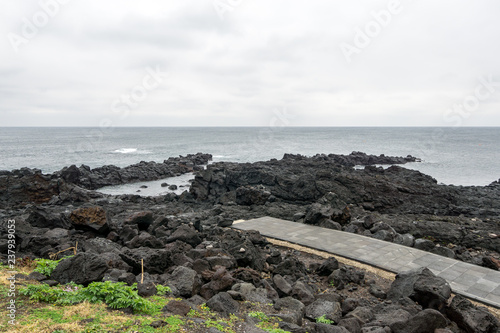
(241,126)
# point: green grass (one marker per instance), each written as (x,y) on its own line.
(261,316)
(4,291)
(266,323)
(56,316)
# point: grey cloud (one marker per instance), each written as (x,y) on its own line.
(263,55)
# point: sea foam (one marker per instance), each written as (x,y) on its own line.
(125,150)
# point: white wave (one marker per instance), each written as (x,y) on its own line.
(125,150)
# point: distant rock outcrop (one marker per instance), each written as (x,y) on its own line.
(107,175)
(26,186)
(331,178)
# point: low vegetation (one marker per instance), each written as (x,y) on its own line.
(47,266)
(266,323)
(324,320)
(116,295)
(105,307)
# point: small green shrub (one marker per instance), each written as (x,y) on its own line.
(162,290)
(204,307)
(259,315)
(58,296)
(324,320)
(116,295)
(47,266)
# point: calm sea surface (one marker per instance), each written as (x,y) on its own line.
(460,156)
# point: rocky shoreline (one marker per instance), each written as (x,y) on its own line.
(184,241)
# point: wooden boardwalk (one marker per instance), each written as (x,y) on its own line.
(475,282)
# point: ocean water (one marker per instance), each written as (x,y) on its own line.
(460,156)
(151,188)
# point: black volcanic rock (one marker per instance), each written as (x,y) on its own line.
(332,180)
(26,186)
(252,195)
(180,241)
(356,158)
(141,219)
(83,268)
(323,190)
(186,234)
(471,318)
(328,266)
(108,175)
(93,218)
(186,281)
(422,286)
(43,218)
(155,261)
(223,303)
(425,321)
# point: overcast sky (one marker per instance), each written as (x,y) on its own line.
(242,62)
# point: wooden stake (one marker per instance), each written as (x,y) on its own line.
(54,256)
(142,268)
